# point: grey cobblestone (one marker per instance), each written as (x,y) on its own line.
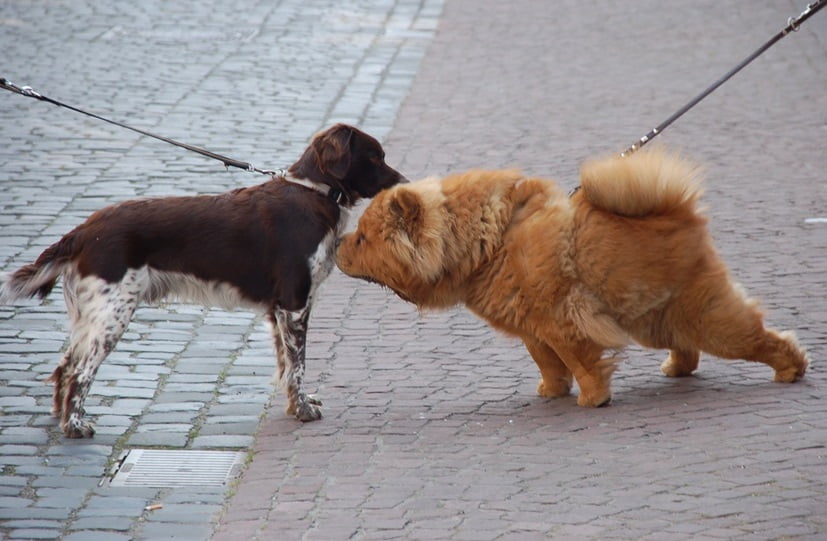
(183,376)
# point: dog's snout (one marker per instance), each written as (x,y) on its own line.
(341,239)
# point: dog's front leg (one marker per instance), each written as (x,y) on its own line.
(290,336)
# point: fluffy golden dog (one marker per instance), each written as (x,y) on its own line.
(626,258)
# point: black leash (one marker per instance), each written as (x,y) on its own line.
(228,162)
(793,25)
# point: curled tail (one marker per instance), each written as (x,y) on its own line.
(646,183)
(37,278)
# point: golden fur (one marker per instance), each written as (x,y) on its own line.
(626,258)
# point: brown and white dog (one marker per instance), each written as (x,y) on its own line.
(266,247)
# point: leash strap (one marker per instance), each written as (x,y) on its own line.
(228,162)
(793,25)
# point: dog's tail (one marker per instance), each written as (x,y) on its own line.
(646,183)
(37,278)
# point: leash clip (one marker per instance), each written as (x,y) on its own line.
(29,92)
(274,173)
(792,24)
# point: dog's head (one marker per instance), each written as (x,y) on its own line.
(403,241)
(348,159)
(425,240)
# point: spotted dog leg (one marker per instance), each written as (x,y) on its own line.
(61,374)
(105,311)
(76,390)
(278,343)
(60,378)
(290,334)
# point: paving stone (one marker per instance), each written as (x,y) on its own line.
(33,533)
(124,407)
(80,449)
(33,513)
(174,397)
(229,429)
(222,441)
(236,408)
(101,523)
(92,535)
(16,461)
(158,439)
(13,502)
(177,417)
(12,391)
(113,421)
(34,524)
(13,420)
(75,482)
(128,505)
(23,435)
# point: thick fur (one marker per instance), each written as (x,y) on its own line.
(626,258)
(267,247)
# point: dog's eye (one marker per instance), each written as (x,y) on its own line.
(360,239)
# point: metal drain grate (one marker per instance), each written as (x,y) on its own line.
(178,468)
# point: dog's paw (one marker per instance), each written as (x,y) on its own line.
(588,400)
(595,387)
(313,399)
(305,408)
(790,361)
(554,389)
(308,411)
(76,428)
(790,374)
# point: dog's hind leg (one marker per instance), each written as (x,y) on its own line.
(291,328)
(730,326)
(556,377)
(61,374)
(59,378)
(752,342)
(56,378)
(279,346)
(104,315)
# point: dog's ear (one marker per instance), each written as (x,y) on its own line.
(407,212)
(332,150)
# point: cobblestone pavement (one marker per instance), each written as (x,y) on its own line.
(251,79)
(432,427)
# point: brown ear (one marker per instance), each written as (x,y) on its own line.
(333,150)
(407,211)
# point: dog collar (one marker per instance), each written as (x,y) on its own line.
(334,194)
